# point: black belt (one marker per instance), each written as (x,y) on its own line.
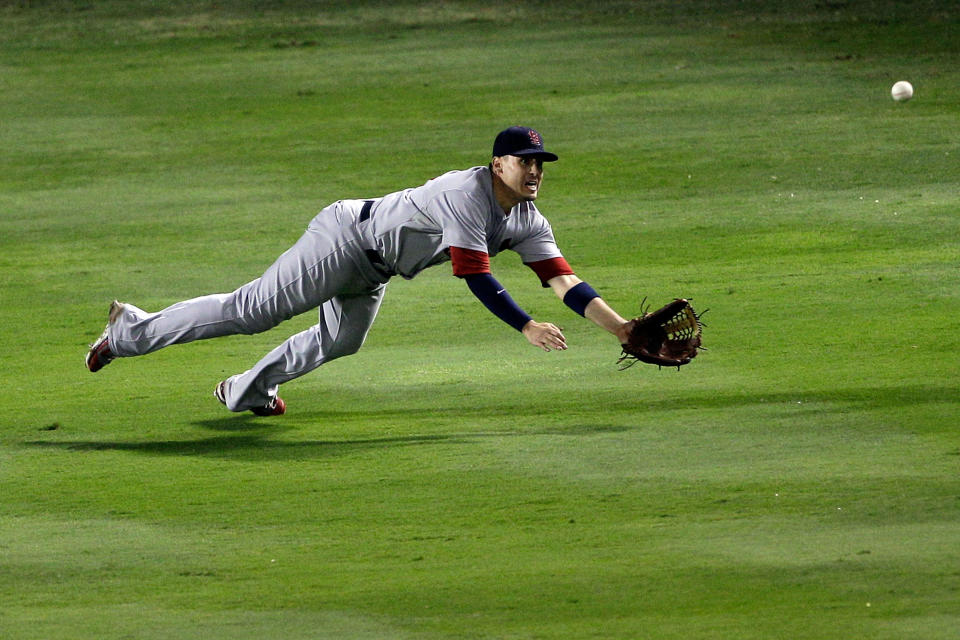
(365,210)
(375,258)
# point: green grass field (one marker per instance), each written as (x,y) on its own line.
(799,480)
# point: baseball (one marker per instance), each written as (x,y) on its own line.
(902,91)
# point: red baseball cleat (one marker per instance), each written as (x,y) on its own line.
(100,354)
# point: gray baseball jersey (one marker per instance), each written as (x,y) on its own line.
(415,228)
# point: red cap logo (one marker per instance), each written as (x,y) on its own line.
(535,138)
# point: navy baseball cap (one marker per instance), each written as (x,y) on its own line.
(521,141)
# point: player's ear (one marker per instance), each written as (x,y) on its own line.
(496,165)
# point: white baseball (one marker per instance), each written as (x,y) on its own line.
(902,91)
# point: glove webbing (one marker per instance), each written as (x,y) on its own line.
(682,326)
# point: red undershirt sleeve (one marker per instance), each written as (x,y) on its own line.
(467,262)
(551,268)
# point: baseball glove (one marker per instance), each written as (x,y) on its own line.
(667,337)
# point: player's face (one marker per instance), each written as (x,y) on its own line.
(521,175)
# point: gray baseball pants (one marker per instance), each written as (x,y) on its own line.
(329,267)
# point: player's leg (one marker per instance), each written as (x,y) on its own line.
(317,267)
(341,331)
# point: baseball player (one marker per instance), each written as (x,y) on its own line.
(348,254)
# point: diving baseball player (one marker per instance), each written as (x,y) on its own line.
(348,254)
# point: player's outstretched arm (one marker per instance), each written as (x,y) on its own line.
(494,296)
(581,297)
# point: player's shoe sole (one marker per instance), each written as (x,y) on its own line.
(100,354)
(277,406)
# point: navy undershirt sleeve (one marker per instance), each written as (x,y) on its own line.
(497,300)
(579,296)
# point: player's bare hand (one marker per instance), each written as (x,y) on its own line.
(544,335)
(623,331)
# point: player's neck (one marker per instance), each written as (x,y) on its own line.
(505,196)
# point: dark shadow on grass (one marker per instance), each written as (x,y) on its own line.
(250,446)
(265,446)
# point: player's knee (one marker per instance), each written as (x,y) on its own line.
(252,317)
(258,324)
(346,346)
